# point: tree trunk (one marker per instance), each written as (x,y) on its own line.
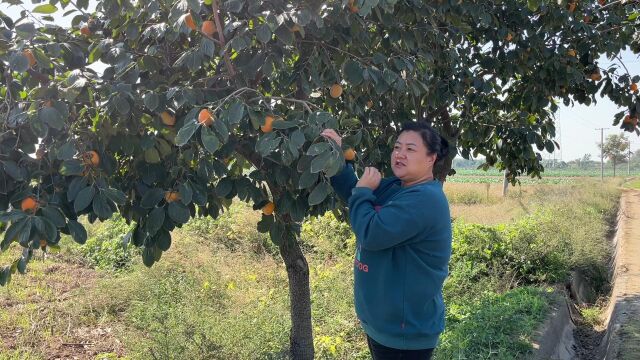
(505,184)
(301,335)
(614,168)
(442,168)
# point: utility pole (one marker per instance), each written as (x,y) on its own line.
(602,153)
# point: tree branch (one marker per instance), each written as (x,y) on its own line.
(223,43)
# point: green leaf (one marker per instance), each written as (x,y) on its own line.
(548,145)
(22,265)
(352,72)
(151,101)
(151,198)
(318,148)
(283,34)
(186,132)
(101,207)
(78,232)
(209,140)
(148,256)
(45,9)
(178,212)
(55,215)
(19,63)
(52,117)
(263,33)
(77,184)
(267,143)
(67,151)
(533,5)
(115,195)
(152,156)
(307,179)
(122,105)
(319,193)
(224,187)
(239,43)
(155,220)
(71,167)
(192,59)
(10,216)
(236,112)
(186,193)
(335,164)
(233,6)
(25,235)
(12,169)
(277,233)
(283,124)
(26,30)
(222,130)
(365,10)
(84,198)
(14,230)
(265,223)
(49,230)
(298,139)
(5,275)
(207,47)
(163,240)
(320,162)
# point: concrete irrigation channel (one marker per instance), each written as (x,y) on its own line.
(561,337)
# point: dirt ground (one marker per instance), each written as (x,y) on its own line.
(624,310)
(53,331)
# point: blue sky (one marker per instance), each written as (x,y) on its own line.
(576,125)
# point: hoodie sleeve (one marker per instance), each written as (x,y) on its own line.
(344,182)
(389,226)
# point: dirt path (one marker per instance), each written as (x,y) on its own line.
(623,313)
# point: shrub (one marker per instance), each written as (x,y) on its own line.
(235,229)
(327,237)
(105,248)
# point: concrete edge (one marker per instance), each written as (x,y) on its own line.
(554,339)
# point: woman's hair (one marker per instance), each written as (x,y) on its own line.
(432,140)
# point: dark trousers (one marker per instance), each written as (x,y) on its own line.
(381,352)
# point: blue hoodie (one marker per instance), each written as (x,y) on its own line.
(402,254)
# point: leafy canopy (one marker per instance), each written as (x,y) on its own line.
(130,137)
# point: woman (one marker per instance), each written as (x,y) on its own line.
(403,230)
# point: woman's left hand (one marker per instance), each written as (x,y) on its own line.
(370,178)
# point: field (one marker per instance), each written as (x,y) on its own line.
(221,291)
(550,176)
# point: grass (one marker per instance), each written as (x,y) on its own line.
(496,326)
(221,291)
(633,184)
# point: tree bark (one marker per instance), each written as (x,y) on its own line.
(505,184)
(301,335)
(443,166)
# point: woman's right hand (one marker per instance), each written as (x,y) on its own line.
(333,135)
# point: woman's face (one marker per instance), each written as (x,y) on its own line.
(409,159)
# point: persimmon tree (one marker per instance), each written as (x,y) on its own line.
(166,110)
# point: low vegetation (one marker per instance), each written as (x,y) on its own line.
(223,283)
